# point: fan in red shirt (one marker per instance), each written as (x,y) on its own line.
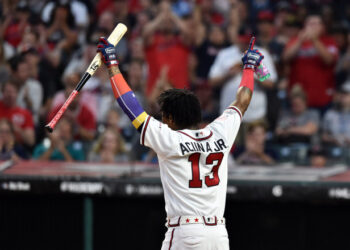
(20,118)
(15,25)
(312,56)
(165,47)
(79,113)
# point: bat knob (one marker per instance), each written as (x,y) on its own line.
(48,128)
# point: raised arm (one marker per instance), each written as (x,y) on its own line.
(251,60)
(327,57)
(152,26)
(122,92)
(291,51)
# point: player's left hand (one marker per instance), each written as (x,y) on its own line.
(252,57)
(108,52)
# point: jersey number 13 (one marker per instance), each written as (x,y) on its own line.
(196,182)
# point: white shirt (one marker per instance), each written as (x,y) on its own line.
(193,163)
(79,10)
(226,59)
(35,94)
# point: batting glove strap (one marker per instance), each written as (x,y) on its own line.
(108,52)
(252,59)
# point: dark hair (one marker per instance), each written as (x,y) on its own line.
(256,124)
(314,13)
(13,82)
(70,19)
(182,105)
(138,61)
(15,61)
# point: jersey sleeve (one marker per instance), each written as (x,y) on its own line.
(227,125)
(158,136)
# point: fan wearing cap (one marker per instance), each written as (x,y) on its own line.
(267,36)
(336,129)
(268,39)
(265,27)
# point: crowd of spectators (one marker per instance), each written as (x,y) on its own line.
(301,114)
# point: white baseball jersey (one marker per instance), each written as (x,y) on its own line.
(193,163)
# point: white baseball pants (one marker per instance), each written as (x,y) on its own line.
(196,237)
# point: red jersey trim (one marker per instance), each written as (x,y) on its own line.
(144,130)
(171,239)
(237,110)
(197,139)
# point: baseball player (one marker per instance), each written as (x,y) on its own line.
(192,161)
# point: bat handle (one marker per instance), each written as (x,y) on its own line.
(51,125)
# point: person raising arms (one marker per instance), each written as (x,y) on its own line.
(192,161)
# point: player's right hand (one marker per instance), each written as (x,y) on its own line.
(252,57)
(108,52)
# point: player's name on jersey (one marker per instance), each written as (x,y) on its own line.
(216,146)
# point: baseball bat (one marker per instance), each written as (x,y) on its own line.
(114,38)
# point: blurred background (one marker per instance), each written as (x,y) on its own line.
(300,116)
